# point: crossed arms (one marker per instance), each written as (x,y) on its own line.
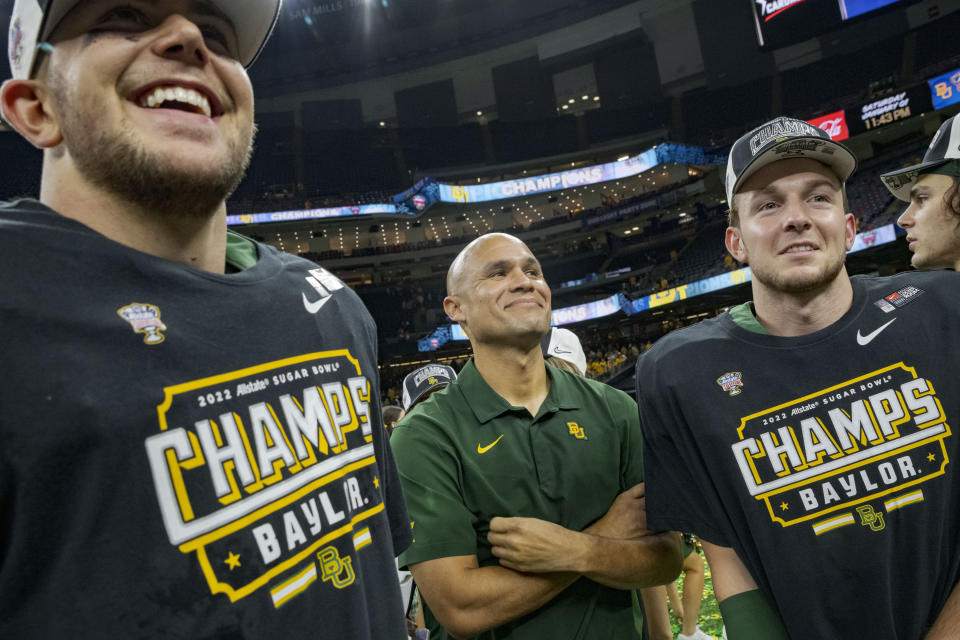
(539,559)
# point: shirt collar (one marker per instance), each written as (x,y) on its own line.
(563,392)
(487,404)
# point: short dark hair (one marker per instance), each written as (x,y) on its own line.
(391,413)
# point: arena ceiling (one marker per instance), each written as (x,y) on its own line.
(333,41)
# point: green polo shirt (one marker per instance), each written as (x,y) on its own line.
(465,455)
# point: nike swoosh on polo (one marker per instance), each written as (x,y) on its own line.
(865,340)
(313,307)
(482,450)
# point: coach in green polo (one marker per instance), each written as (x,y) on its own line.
(524,482)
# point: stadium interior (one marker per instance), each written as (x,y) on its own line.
(393,132)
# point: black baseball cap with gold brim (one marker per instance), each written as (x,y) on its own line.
(782,139)
(944,148)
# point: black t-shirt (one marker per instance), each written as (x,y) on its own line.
(185,454)
(826,461)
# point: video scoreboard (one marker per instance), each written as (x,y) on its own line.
(784,22)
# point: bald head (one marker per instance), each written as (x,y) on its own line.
(458,268)
(497,294)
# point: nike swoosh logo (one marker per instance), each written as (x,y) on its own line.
(313,307)
(865,340)
(482,450)
(558,350)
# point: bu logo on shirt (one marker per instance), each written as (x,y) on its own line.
(576,431)
(870,518)
(335,568)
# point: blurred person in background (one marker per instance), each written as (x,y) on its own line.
(391,416)
(561,348)
(686,606)
(419,384)
(932,189)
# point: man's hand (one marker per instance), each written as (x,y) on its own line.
(531,545)
(617,551)
(626,518)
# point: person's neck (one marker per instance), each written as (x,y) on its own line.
(519,376)
(195,240)
(791,314)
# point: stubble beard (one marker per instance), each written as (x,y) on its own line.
(781,282)
(119,163)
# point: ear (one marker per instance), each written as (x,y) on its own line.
(734,242)
(851,230)
(26,105)
(451,306)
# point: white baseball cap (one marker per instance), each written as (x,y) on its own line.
(564,344)
(33,21)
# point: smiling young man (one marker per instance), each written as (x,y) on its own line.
(932,188)
(191,441)
(807,436)
(524,482)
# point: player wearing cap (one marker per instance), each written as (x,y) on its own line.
(419,384)
(807,437)
(191,442)
(523,481)
(562,349)
(932,188)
